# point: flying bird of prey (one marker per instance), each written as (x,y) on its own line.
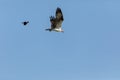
(56,22)
(25,23)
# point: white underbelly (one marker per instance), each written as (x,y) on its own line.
(57,29)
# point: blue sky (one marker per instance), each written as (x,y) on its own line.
(89,49)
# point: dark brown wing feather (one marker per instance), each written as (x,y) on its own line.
(59,14)
(52,20)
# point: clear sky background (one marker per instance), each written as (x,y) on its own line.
(89,49)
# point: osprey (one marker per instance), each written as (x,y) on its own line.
(25,23)
(56,22)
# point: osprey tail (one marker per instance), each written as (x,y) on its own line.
(48,30)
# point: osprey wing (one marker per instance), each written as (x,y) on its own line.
(59,18)
(59,15)
(53,23)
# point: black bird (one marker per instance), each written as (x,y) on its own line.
(25,23)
